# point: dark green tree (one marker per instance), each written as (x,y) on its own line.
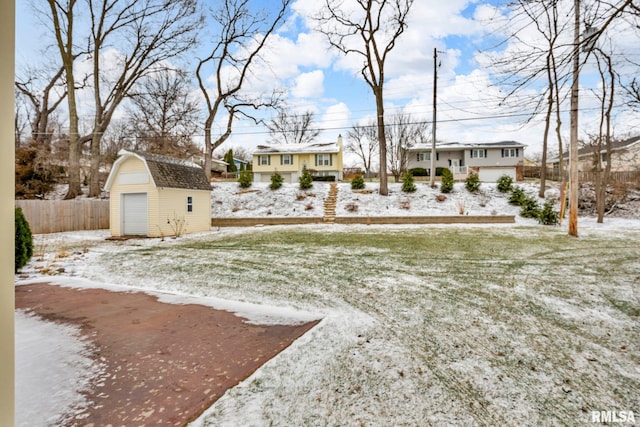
(231,165)
(23,240)
(407,183)
(446,181)
(306,180)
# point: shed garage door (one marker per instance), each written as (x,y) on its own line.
(492,174)
(134,214)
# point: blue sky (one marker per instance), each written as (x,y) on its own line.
(319,79)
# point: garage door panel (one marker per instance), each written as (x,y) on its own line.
(134,214)
(492,174)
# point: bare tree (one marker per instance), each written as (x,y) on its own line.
(62,16)
(43,100)
(141,36)
(290,128)
(164,117)
(403,133)
(362,140)
(163,31)
(603,140)
(243,34)
(370,32)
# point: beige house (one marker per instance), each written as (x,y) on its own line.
(289,160)
(625,157)
(157,196)
(489,160)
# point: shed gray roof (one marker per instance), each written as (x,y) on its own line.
(170,172)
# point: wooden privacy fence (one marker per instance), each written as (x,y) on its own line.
(53,216)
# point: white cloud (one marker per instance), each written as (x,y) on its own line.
(309,85)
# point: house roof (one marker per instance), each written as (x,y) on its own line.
(320,147)
(588,150)
(166,172)
(457,146)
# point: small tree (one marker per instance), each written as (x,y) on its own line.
(517,196)
(357,183)
(472,183)
(276,181)
(245,179)
(504,183)
(306,180)
(407,183)
(23,240)
(446,181)
(231,165)
(548,216)
(529,207)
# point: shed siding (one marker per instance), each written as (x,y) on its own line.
(173,211)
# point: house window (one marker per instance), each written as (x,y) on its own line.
(286,159)
(510,152)
(323,159)
(603,157)
(264,160)
(426,156)
(477,153)
(189,204)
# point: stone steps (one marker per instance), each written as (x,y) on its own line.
(330,204)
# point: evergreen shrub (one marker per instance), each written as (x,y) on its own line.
(446,181)
(306,180)
(407,183)
(472,183)
(529,207)
(245,179)
(504,183)
(23,240)
(547,215)
(517,196)
(357,183)
(276,181)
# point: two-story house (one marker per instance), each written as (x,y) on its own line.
(488,160)
(289,160)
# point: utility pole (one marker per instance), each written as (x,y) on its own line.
(573,147)
(432,172)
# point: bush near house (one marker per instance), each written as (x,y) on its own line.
(446,181)
(407,183)
(23,240)
(504,183)
(245,179)
(529,207)
(357,183)
(418,172)
(276,181)
(306,180)
(472,183)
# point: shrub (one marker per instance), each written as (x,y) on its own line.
(418,172)
(446,182)
(440,170)
(504,183)
(276,181)
(517,196)
(23,240)
(529,207)
(327,178)
(245,179)
(547,215)
(306,180)
(407,183)
(357,183)
(472,183)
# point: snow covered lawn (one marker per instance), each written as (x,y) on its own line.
(457,325)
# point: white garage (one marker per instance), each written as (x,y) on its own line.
(489,174)
(134,214)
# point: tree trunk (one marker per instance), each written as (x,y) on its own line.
(382,142)
(94,169)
